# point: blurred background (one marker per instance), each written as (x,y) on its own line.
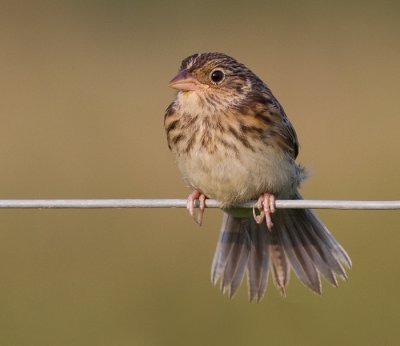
(83,89)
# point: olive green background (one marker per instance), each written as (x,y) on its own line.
(83,89)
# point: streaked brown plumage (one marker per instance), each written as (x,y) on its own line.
(233,142)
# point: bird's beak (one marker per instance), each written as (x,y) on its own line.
(184,81)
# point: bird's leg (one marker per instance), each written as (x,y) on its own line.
(197,213)
(266,206)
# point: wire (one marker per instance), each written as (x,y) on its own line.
(181,203)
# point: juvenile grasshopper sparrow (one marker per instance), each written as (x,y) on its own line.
(233,142)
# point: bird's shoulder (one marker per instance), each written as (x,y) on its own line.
(262,106)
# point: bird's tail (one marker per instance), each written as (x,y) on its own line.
(298,240)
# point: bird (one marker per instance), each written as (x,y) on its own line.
(233,142)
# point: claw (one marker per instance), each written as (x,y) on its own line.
(266,206)
(196,213)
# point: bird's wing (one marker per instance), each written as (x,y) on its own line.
(276,124)
(288,133)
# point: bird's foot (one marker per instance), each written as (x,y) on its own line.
(197,213)
(266,206)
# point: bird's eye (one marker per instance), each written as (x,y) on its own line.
(217,76)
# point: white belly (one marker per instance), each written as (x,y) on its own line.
(231,179)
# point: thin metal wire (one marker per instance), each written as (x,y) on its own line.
(181,203)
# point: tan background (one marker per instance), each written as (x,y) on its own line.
(83,91)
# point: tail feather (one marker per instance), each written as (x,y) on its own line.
(258,264)
(330,250)
(279,263)
(265,264)
(338,250)
(299,258)
(318,259)
(298,240)
(236,265)
(239,272)
(230,230)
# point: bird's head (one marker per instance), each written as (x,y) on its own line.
(213,81)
